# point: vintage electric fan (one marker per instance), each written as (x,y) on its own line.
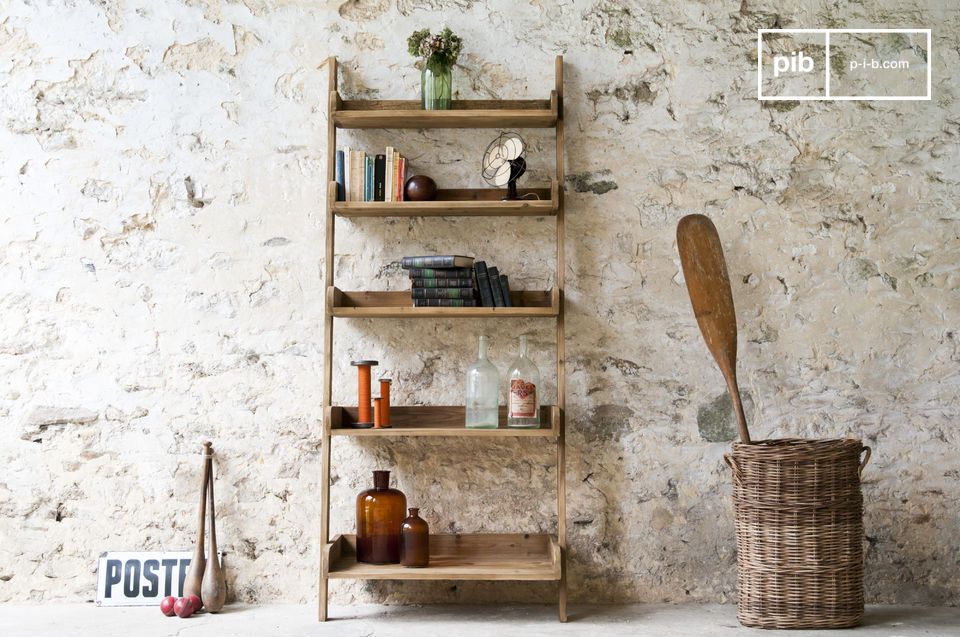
(503,162)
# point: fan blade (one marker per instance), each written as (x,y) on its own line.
(502,176)
(492,165)
(511,148)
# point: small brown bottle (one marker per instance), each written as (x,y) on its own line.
(414,541)
(379,516)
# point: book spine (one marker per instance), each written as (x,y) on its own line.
(442,293)
(444,303)
(355,176)
(346,173)
(341,192)
(352,175)
(368,172)
(379,176)
(361,177)
(363,171)
(428,262)
(494,275)
(388,186)
(441,283)
(397,184)
(402,163)
(505,289)
(483,283)
(448,273)
(396,167)
(372,177)
(348,161)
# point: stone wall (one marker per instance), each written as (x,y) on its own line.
(161,254)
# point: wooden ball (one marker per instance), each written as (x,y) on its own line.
(420,188)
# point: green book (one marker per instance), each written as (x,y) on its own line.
(442,283)
(442,293)
(437,261)
(484,283)
(444,303)
(495,288)
(440,273)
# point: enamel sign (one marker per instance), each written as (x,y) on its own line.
(140,578)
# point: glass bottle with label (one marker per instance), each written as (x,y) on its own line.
(523,391)
(483,385)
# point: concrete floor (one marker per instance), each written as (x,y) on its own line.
(58,620)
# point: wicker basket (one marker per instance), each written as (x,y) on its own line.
(799,523)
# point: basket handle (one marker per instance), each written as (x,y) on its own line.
(727,458)
(866,459)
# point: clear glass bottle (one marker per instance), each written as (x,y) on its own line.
(523,391)
(483,387)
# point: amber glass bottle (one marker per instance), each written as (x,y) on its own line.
(379,516)
(414,541)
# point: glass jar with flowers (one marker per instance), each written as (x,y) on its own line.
(438,53)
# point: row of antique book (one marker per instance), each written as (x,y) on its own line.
(363,177)
(456,281)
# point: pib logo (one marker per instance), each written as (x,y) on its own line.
(796,62)
(869,64)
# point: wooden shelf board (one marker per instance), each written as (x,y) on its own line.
(473,556)
(463,114)
(460,202)
(363,304)
(434,420)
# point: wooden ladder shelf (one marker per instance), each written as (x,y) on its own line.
(469,556)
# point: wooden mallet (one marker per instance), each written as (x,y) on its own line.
(214,587)
(194,578)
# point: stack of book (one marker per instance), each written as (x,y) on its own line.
(441,281)
(363,177)
(494,288)
(456,281)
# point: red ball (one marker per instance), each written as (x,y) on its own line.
(166,605)
(196,602)
(183,608)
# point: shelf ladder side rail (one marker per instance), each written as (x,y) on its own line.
(561,356)
(326,439)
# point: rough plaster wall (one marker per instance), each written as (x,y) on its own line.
(161,258)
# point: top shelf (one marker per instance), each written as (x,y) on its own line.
(463,113)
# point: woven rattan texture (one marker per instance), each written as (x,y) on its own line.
(799,523)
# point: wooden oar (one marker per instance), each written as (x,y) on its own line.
(705,270)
